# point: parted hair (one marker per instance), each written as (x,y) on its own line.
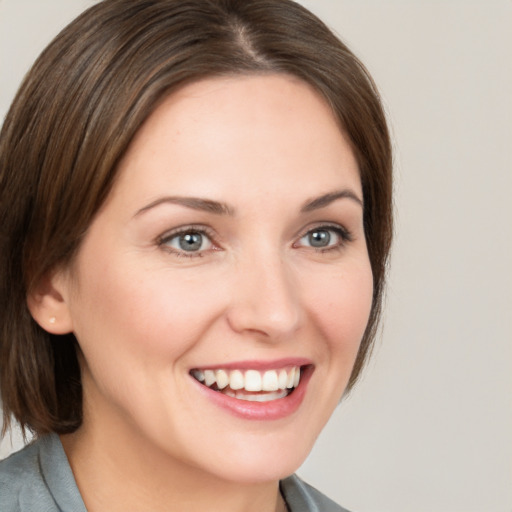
(74,117)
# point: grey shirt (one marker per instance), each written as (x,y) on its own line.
(39,479)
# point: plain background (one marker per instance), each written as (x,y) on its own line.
(430,425)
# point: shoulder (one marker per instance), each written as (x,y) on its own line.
(301,497)
(22,482)
(18,474)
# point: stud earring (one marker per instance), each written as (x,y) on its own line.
(52,320)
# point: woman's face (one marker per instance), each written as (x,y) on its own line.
(230,251)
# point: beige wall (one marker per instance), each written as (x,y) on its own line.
(430,426)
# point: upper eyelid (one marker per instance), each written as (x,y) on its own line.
(163,240)
(214,238)
(199,228)
(325,225)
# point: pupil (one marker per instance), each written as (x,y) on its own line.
(320,238)
(191,241)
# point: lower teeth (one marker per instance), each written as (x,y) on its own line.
(257,397)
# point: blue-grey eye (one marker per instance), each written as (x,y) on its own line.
(190,241)
(321,238)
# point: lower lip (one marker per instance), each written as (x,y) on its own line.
(262,411)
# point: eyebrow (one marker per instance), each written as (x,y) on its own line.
(195,203)
(327,199)
(220,208)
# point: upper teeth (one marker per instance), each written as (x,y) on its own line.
(250,380)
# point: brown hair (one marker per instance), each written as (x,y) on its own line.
(74,117)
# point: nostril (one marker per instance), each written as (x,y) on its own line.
(267,318)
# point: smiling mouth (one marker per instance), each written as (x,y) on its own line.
(251,385)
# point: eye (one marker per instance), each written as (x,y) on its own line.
(325,238)
(190,242)
(319,238)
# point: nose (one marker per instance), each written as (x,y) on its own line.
(265,299)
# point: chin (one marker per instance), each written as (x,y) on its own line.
(262,459)
(270,469)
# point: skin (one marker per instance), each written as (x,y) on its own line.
(145,313)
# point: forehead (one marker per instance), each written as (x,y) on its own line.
(271,132)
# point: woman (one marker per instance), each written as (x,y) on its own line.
(196,218)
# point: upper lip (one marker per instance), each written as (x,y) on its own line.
(257,364)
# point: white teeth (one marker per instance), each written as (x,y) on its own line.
(291,378)
(253,381)
(222,379)
(296,379)
(209,377)
(198,375)
(236,380)
(270,382)
(283,379)
(266,397)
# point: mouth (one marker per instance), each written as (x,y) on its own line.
(251,385)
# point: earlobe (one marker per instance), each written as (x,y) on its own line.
(48,305)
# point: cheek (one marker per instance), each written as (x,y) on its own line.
(341,305)
(141,318)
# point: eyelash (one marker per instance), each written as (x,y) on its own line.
(344,237)
(165,239)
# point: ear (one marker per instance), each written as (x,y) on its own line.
(48,304)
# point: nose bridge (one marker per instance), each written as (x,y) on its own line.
(265,295)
